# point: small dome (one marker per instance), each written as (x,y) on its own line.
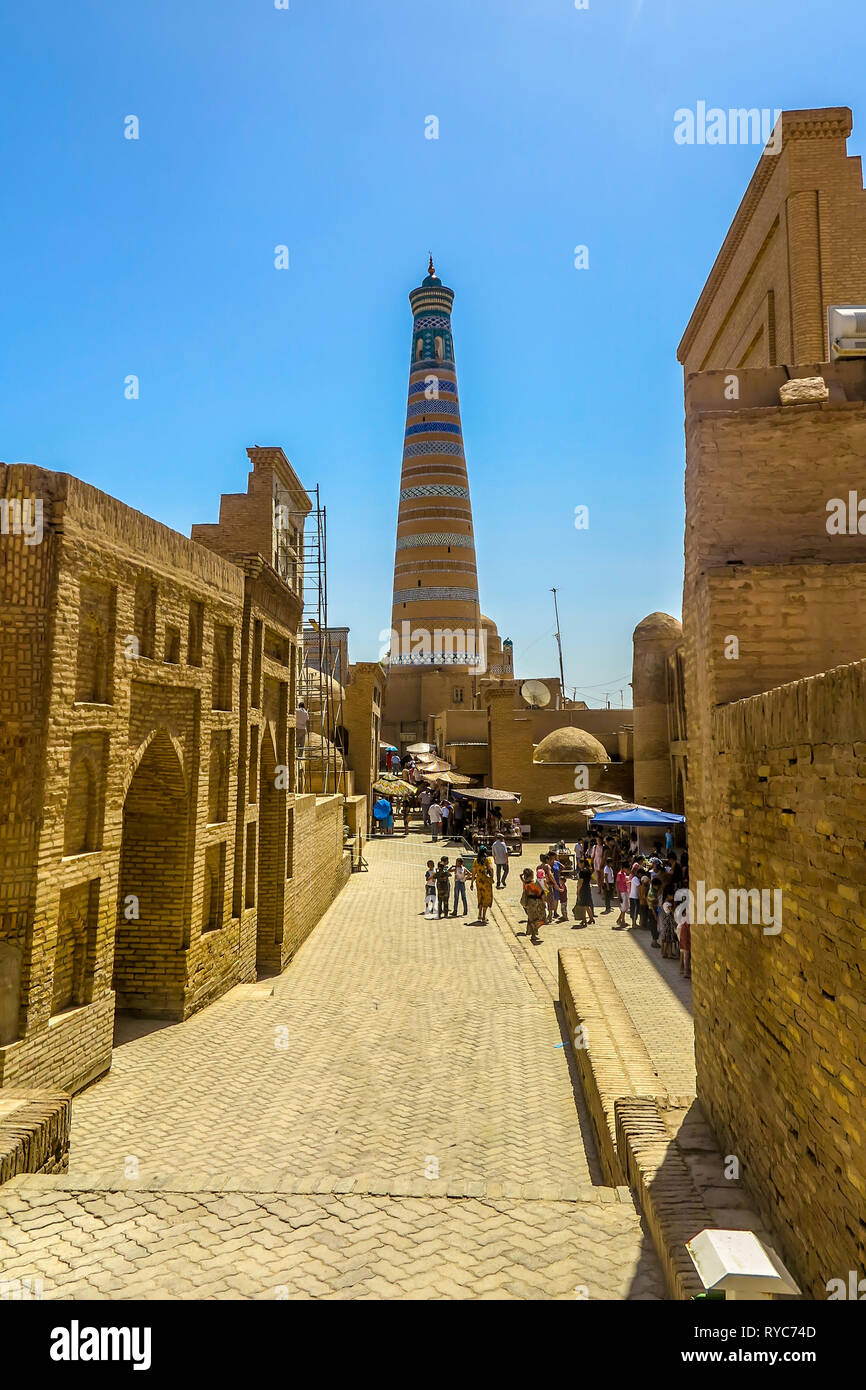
(659,625)
(488,623)
(570,745)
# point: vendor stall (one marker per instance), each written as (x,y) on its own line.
(487,820)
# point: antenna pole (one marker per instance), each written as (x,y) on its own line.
(558,642)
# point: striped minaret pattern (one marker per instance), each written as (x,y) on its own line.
(435,580)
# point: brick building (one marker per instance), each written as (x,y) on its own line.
(154,851)
(774,640)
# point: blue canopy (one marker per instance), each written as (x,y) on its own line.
(638,815)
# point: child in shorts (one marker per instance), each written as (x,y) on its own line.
(430,890)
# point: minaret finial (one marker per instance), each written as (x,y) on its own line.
(430,270)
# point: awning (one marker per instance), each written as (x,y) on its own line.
(638,815)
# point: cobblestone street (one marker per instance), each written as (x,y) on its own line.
(392,1117)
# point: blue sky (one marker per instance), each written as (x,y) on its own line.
(305,127)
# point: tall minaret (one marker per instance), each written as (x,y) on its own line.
(435,580)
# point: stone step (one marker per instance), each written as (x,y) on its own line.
(369,1184)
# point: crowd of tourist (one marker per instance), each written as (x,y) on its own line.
(640,887)
(643,887)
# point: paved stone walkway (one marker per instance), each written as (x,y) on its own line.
(393,1117)
(652,989)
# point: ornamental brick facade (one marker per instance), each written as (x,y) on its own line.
(154,851)
(437,625)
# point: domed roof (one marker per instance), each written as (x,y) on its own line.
(570,745)
(488,623)
(659,625)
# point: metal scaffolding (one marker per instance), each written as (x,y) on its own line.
(321,764)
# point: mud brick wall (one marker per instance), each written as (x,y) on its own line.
(73,1051)
(34,1133)
(147,683)
(775,799)
(317,869)
(794,247)
(780,1020)
(760,564)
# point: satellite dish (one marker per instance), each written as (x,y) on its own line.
(535,693)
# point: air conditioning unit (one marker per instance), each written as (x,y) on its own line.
(846,330)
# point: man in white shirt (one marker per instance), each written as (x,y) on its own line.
(302,719)
(434,815)
(500,859)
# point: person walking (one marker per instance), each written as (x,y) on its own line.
(425,799)
(461,873)
(445,808)
(443,886)
(434,815)
(647,916)
(482,882)
(634,893)
(302,719)
(552,899)
(430,890)
(667,929)
(598,862)
(622,888)
(382,812)
(500,859)
(583,909)
(560,895)
(532,902)
(608,883)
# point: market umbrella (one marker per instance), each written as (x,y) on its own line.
(588,801)
(434,765)
(393,786)
(388,747)
(637,815)
(451,779)
(490,794)
(420,748)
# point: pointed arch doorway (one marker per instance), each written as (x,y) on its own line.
(149,939)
